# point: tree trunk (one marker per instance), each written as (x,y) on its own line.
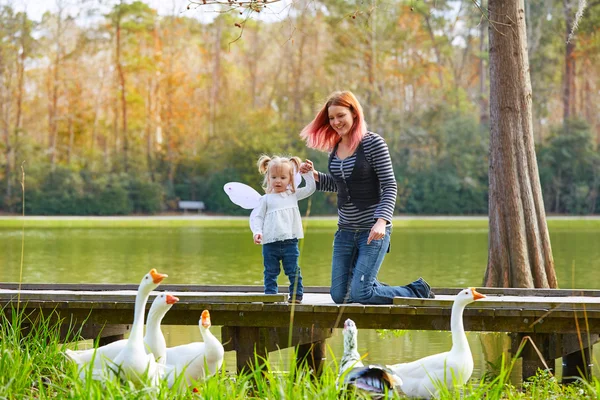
(169,126)
(149,128)
(117,143)
(5,89)
(53,97)
(298,93)
(214,89)
(71,137)
(371,63)
(20,89)
(569,77)
(97,106)
(484,116)
(438,55)
(519,252)
(121,76)
(5,107)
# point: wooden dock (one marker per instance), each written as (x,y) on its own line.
(562,323)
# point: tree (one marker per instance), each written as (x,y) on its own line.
(519,251)
(16,44)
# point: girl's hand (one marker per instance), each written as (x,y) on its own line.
(306,166)
(258,238)
(377,231)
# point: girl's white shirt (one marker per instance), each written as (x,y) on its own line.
(277,216)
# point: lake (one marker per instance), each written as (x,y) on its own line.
(446,252)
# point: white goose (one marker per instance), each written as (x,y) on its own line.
(375,379)
(132,363)
(191,358)
(423,378)
(154,339)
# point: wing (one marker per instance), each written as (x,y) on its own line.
(297,179)
(242,195)
(98,355)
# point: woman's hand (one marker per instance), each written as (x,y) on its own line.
(306,166)
(258,238)
(377,231)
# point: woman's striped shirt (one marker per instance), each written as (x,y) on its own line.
(378,156)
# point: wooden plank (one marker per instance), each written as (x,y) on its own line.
(377,309)
(405,310)
(496,313)
(314,355)
(307,289)
(129,296)
(433,319)
(572,303)
(163,287)
(523,292)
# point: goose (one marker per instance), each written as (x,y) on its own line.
(132,363)
(374,379)
(424,377)
(190,359)
(154,339)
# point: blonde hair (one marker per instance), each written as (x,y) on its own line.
(266,163)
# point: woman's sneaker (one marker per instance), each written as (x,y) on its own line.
(295,300)
(430,295)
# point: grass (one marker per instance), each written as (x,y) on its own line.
(32,366)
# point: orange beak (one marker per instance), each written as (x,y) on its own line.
(477,295)
(156,276)
(172,299)
(205,319)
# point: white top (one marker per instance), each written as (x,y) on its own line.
(277,216)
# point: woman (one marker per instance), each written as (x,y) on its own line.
(360,171)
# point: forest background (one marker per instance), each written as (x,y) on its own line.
(115,109)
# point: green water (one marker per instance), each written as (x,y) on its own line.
(448,254)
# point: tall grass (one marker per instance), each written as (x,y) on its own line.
(32,366)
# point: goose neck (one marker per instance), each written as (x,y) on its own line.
(137,328)
(351,347)
(155,319)
(153,324)
(459,339)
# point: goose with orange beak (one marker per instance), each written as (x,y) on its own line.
(132,363)
(154,339)
(191,359)
(424,377)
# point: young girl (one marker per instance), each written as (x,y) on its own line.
(276,222)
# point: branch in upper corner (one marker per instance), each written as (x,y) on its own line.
(254,5)
(580,9)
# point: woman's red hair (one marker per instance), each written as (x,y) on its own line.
(321,136)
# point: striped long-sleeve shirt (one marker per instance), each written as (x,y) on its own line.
(378,156)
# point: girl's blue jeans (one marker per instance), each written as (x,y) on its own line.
(355,266)
(284,253)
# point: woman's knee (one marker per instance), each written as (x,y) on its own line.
(361,292)
(337,296)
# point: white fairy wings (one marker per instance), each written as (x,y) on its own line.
(246,196)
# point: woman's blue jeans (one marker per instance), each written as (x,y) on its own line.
(285,252)
(355,266)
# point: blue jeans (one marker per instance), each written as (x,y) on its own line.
(285,252)
(355,266)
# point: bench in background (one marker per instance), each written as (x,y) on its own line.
(191,205)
